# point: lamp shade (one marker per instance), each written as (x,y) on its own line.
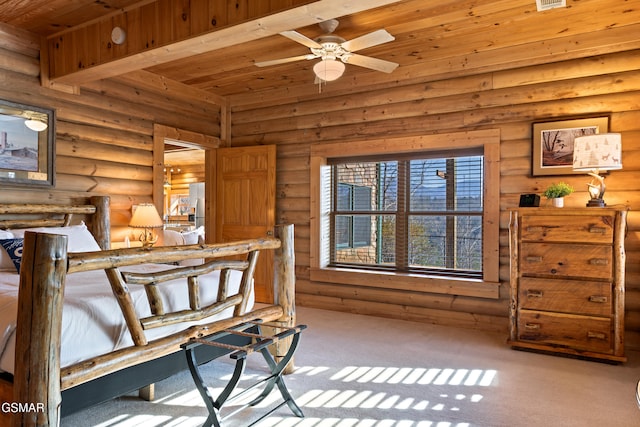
(328,69)
(146,216)
(601,151)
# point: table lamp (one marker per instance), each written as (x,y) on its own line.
(146,216)
(595,153)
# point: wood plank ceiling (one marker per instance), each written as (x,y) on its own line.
(434,39)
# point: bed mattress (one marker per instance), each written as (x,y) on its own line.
(92,323)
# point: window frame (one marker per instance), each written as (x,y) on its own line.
(402,212)
(487,140)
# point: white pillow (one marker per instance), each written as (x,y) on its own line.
(190,237)
(80,238)
(5,259)
(170,238)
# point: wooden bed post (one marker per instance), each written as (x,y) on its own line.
(101,223)
(37,368)
(284,286)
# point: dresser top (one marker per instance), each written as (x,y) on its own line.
(609,210)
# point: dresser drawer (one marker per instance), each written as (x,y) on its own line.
(561,228)
(578,332)
(567,296)
(566,260)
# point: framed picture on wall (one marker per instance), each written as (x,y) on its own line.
(27,136)
(552,151)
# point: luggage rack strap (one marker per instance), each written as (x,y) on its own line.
(261,342)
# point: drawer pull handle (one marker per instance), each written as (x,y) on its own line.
(532,326)
(599,230)
(596,335)
(599,261)
(533,258)
(598,298)
(534,293)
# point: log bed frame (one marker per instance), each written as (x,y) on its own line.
(63,390)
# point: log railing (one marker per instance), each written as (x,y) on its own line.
(46,263)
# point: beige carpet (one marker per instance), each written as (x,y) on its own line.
(360,371)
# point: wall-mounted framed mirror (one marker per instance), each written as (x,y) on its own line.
(27,145)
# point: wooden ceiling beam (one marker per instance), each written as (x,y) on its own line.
(81,55)
(158,83)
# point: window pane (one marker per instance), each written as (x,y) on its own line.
(469,176)
(446,184)
(445,242)
(343,202)
(388,188)
(373,242)
(469,243)
(387,239)
(342,231)
(427,241)
(364,253)
(361,198)
(428,189)
(361,230)
(368,186)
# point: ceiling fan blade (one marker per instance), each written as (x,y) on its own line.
(302,39)
(285,60)
(368,40)
(372,63)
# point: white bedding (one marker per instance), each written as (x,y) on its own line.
(92,323)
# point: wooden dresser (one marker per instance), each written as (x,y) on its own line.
(567,281)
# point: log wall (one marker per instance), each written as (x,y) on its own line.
(105,138)
(104,141)
(508,99)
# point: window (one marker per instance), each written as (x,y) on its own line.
(420,214)
(415,213)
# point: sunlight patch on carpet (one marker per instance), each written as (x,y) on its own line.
(394,375)
(354,422)
(355,389)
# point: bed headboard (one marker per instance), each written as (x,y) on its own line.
(96,214)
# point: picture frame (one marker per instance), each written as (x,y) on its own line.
(179,205)
(27,145)
(552,143)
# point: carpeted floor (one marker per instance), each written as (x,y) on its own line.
(361,371)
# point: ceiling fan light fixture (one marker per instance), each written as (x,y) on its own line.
(35,125)
(329,70)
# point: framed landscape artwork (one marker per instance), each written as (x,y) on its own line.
(552,151)
(27,149)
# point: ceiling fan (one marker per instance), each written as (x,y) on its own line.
(334,51)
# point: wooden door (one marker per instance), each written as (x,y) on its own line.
(245,204)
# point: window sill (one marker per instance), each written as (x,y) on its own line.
(407,282)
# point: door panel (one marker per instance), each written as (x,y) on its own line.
(246,193)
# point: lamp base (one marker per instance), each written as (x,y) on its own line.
(147,238)
(596,203)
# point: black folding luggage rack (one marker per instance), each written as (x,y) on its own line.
(260,342)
